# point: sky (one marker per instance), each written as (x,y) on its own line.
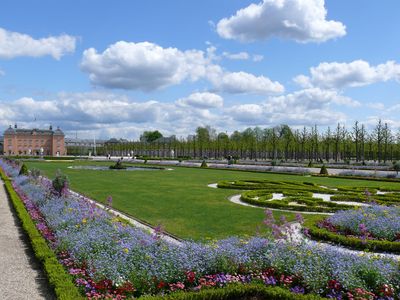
(117,68)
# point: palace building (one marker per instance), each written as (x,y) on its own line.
(35,142)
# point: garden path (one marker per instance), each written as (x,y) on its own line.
(21,276)
(296,235)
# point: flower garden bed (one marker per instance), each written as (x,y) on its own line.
(109,258)
(299,196)
(375,228)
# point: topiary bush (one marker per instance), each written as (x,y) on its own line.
(24,170)
(324,170)
(60,183)
(204,164)
(118,166)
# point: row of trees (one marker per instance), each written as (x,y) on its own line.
(276,143)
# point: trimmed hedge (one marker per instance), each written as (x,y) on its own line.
(324,234)
(259,192)
(59,279)
(252,291)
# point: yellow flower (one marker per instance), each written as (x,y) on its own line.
(126,250)
(84,221)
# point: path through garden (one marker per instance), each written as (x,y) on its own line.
(21,276)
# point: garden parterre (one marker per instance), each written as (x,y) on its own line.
(299,195)
(109,257)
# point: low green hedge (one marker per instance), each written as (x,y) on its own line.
(59,279)
(323,234)
(237,291)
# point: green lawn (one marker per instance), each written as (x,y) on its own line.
(180,200)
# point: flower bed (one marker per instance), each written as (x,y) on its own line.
(375,228)
(109,258)
(299,195)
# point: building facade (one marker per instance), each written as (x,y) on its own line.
(35,142)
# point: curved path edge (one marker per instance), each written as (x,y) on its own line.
(21,274)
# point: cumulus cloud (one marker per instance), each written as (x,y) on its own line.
(243,83)
(299,20)
(202,100)
(14,44)
(147,66)
(305,107)
(104,113)
(144,66)
(354,74)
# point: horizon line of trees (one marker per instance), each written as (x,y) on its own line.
(275,143)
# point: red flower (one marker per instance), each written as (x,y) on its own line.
(190,276)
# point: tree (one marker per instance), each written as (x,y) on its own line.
(379,137)
(150,136)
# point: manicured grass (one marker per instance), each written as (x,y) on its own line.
(180,200)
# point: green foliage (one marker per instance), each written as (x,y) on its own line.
(151,136)
(310,164)
(59,279)
(184,203)
(322,234)
(324,170)
(24,170)
(274,163)
(204,164)
(60,182)
(118,166)
(299,196)
(253,291)
(35,173)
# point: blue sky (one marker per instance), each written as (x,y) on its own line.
(117,68)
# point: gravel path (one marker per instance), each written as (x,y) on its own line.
(21,276)
(296,235)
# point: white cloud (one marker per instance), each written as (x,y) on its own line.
(2,73)
(356,73)
(14,44)
(236,56)
(305,107)
(299,20)
(147,66)
(102,114)
(243,83)
(202,100)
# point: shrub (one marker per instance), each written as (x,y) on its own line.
(274,163)
(396,167)
(24,170)
(35,173)
(60,182)
(324,170)
(203,164)
(310,164)
(118,166)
